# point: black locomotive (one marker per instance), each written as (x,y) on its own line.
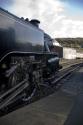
(24,52)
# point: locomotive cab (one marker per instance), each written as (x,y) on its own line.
(53,60)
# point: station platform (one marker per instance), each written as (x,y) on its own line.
(52,110)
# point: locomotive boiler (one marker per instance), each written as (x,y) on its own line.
(24,53)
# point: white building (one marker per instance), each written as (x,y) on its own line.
(79,55)
(69,53)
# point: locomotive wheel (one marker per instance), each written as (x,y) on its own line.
(37,88)
(18,74)
(15,77)
(30,92)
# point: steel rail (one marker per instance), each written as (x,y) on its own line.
(12,89)
(64,75)
(6,101)
(61,71)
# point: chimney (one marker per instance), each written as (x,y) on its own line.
(35,22)
(27,20)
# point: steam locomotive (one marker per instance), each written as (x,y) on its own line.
(24,52)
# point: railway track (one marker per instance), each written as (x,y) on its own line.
(9,100)
(66,63)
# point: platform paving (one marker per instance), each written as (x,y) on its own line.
(51,110)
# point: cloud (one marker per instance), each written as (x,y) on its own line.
(36,8)
(47,11)
(52,16)
(70,28)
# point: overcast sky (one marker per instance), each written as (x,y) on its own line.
(59,18)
